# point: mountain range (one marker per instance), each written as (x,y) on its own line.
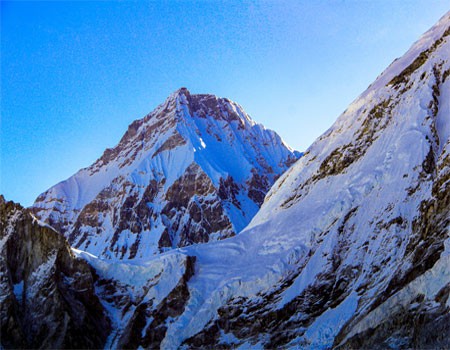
(345,246)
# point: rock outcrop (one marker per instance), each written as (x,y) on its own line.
(47,295)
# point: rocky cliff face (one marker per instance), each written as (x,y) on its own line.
(194,170)
(47,295)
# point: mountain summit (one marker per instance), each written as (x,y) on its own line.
(195,169)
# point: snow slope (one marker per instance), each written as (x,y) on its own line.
(350,248)
(195,169)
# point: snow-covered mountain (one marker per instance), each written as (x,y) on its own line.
(350,249)
(194,170)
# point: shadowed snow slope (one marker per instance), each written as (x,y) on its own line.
(196,169)
(350,248)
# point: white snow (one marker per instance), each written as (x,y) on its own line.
(442,119)
(321,334)
(39,276)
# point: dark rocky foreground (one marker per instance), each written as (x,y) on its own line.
(47,294)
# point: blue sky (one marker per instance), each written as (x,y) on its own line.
(75,74)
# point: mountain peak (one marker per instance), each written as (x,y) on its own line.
(183,91)
(182,106)
(195,169)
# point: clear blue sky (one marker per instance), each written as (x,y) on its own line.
(75,74)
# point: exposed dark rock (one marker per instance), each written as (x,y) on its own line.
(341,158)
(203,105)
(172,142)
(404,76)
(429,164)
(137,334)
(417,327)
(258,187)
(165,241)
(228,190)
(193,218)
(48,297)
